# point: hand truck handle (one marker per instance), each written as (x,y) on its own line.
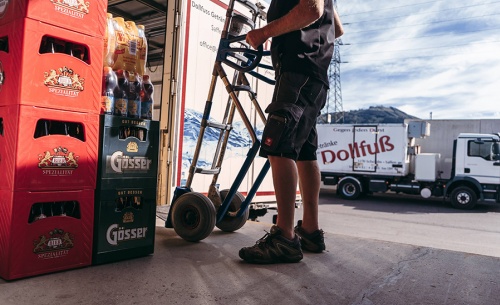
(247,59)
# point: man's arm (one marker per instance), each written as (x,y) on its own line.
(303,14)
(339,29)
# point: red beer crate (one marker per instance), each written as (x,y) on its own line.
(42,232)
(82,16)
(47,66)
(45,149)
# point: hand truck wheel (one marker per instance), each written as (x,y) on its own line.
(230,223)
(193,216)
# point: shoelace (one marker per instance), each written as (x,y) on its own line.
(263,239)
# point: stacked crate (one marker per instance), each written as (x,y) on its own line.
(125,205)
(50,83)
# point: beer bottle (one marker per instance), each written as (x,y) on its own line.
(140,134)
(62,211)
(41,129)
(75,130)
(77,50)
(136,204)
(33,213)
(120,204)
(46,45)
(109,84)
(69,208)
(147,98)
(40,213)
(120,93)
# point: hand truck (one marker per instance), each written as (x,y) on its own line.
(194,215)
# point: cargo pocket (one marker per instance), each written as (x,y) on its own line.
(281,127)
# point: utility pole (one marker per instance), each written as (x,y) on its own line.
(334,98)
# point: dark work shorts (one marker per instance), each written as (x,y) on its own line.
(290,130)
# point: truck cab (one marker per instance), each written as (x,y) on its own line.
(476,170)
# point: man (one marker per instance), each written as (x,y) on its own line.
(303,33)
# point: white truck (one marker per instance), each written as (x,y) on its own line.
(363,159)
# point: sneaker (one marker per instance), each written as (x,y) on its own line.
(273,248)
(313,242)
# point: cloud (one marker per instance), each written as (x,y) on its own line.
(422,57)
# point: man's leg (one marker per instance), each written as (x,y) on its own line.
(281,244)
(284,171)
(310,179)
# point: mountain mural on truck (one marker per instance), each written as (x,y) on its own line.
(238,145)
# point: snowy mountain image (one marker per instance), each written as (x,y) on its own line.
(239,142)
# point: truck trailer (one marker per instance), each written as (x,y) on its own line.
(362,159)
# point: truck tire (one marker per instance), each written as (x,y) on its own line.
(464,198)
(349,189)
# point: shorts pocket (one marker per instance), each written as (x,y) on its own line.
(273,131)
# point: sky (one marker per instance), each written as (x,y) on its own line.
(430,59)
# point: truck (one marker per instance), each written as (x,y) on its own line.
(362,159)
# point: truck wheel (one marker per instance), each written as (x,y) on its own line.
(349,189)
(193,216)
(228,223)
(463,197)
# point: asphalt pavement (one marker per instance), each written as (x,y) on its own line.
(353,270)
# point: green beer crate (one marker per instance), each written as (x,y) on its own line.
(124,224)
(128,150)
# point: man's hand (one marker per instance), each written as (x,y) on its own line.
(256,37)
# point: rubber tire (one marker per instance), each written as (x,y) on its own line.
(193,216)
(349,189)
(228,223)
(463,198)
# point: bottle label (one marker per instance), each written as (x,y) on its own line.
(147,110)
(120,107)
(134,108)
(107,104)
